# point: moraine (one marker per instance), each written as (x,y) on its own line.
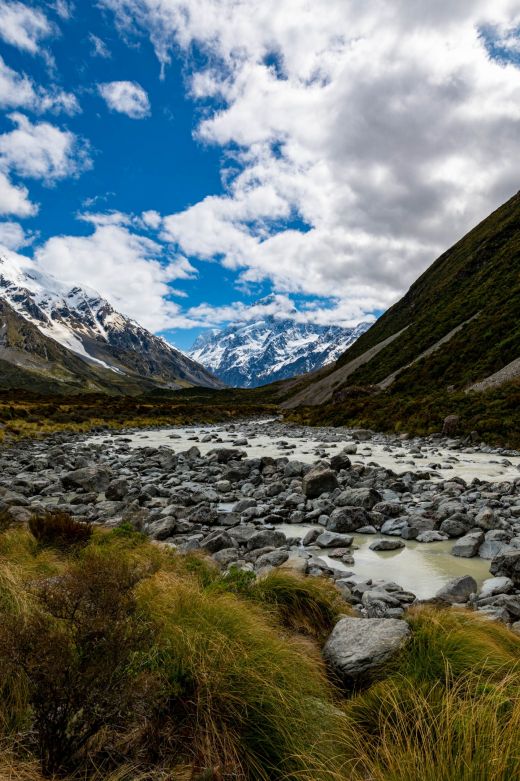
(260,494)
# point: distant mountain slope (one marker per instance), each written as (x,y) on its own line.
(74,336)
(457,325)
(248,355)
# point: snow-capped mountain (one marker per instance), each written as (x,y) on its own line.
(247,355)
(85,324)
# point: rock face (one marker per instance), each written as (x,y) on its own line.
(358,646)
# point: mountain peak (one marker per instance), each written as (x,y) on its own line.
(84,323)
(271,348)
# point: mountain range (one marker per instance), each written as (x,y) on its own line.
(57,338)
(251,354)
(456,330)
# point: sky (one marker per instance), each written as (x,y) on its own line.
(187,158)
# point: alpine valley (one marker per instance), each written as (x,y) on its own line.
(59,339)
(251,354)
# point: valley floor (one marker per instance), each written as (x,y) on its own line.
(252,601)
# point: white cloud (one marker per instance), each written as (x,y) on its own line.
(99,47)
(23,26)
(15,199)
(41,151)
(13,236)
(127,268)
(126,97)
(19,91)
(382,130)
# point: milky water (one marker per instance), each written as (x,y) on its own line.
(422,568)
(449,463)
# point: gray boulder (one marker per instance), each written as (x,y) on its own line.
(358,646)
(89,478)
(458,590)
(340,461)
(493,586)
(217,540)
(319,480)
(346,519)
(272,559)
(507,564)
(466,547)
(382,545)
(333,540)
(266,538)
(359,497)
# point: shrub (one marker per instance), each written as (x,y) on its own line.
(79,653)
(59,530)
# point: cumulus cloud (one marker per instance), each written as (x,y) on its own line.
(126,97)
(367,137)
(19,91)
(128,268)
(23,26)
(41,150)
(14,199)
(13,236)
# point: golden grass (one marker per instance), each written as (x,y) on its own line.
(233,692)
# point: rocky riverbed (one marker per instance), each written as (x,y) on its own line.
(390,520)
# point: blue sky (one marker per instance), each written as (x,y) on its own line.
(188,157)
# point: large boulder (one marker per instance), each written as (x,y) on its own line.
(458,590)
(266,538)
(89,478)
(216,541)
(507,563)
(451,425)
(358,646)
(346,519)
(319,480)
(225,454)
(467,546)
(333,540)
(359,497)
(340,461)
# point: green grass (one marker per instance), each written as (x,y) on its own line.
(125,661)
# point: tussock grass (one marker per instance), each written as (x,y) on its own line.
(249,697)
(125,661)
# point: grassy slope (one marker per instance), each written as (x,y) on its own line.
(123,660)
(480,274)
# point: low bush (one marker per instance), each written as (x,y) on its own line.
(58,529)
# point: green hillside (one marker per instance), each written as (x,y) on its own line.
(464,313)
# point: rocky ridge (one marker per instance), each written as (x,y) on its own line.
(231,507)
(251,354)
(46,326)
